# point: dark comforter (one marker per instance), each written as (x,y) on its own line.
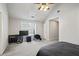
(59,49)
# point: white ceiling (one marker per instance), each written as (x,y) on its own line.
(27,10)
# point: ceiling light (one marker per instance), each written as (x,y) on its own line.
(44,7)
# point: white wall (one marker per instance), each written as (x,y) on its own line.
(15,26)
(39,29)
(3,28)
(46,30)
(68,22)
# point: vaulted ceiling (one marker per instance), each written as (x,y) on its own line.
(28,11)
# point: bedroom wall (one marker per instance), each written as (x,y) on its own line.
(3,28)
(46,30)
(39,29)
(14,26)
(68,22)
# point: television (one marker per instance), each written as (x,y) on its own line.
(23,32)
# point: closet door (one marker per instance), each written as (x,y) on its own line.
(53,30)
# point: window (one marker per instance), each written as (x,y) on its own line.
(28,26)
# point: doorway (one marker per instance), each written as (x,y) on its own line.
(54,30)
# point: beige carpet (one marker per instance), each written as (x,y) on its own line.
(25,48)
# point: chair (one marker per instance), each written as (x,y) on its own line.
(37,37)
(28,39)
(19,39)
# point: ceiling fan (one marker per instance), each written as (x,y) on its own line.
(43,6)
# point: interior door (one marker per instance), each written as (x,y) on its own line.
(53,30)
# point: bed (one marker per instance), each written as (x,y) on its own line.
(59,49)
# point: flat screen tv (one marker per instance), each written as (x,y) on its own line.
(23,32)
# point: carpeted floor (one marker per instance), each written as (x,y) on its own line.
(25,48)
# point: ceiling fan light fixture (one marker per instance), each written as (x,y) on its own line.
(43,7)
(46,8)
